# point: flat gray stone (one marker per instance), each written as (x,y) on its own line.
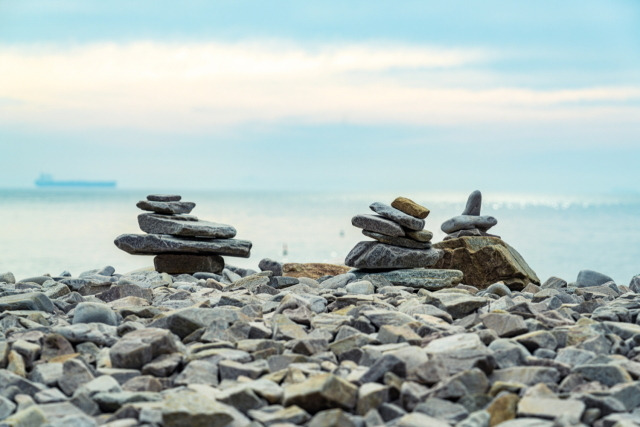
(188,264)
(374,255)
(468,222)
(422,278)
(167,208)
(397,216)
(474,203)
(505,325)
(164,198)
(377,224)
(155,244)
(35,301)
(183,225)
(397,241)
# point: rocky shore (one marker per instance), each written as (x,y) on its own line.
(247,348)
(456,333)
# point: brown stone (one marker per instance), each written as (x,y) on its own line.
(55,345)
(410,207)
(313,270)
(503,408)
(484,261)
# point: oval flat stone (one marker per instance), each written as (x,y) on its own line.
(377,224)
(155,244)
(164,198)
(183,225)
(397,216)
(468,222)
(397,241)
(374,255)
(167,208)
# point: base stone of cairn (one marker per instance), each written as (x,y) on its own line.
(484,259)
(401,250)
(182,243)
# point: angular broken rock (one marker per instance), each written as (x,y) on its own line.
(374,255)
(140,347)
(167,208)
(313,270)
(397,216)
(183,225)
(153,244)
(188,264)
(324,391)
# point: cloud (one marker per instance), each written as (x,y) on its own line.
(201,87)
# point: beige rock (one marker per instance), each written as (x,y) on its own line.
(410,207)
(313,270)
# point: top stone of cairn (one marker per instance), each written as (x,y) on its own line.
(410,207)
(164,198)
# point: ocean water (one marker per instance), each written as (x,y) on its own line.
(52,230)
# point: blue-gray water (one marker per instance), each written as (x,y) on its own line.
(49,230)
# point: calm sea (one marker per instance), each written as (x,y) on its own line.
(49,231)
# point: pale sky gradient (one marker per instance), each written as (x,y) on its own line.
(365,96)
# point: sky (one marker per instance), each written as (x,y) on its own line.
(538,97)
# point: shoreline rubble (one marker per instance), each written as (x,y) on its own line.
(465,340)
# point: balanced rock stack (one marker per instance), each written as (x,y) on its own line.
(470,223)
(182,243)
(483,258)
(400,240)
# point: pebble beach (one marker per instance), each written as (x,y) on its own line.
(409,332)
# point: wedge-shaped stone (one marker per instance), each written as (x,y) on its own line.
(397,216)
(183,225)
(155,244)
(167,208)
(374,255)
(28,301)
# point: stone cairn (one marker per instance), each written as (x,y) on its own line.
(400,240)
(470,223)
(182,243)
(483,258)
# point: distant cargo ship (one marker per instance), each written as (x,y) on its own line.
(46,180)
